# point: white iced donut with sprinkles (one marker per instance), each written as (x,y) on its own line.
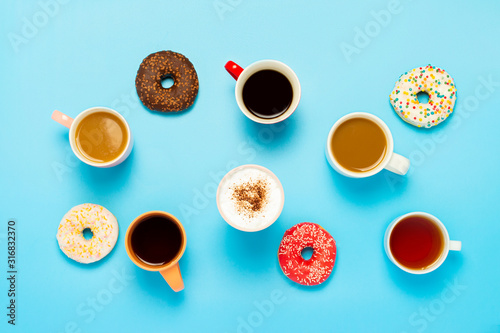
(312,271)
(100,221)
(437,83)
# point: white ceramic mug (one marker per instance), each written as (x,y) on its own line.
(448,244)
(242,75)
(72,124)
(225,183)
(391,161)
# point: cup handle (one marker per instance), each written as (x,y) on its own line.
(233,69)
(173,277)
(398,164)
(455,245)
(62,119)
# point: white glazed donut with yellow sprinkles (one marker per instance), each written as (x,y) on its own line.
(100,221)
(437,83)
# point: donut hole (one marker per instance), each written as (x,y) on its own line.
(167,81)
(423,97)
(307,253)
(87,233)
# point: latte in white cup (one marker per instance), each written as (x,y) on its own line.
(250,198)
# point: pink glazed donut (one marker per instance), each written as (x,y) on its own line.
(314,270)
(100,221)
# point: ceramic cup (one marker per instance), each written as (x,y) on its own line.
(72,124)
(391,161)
(276,198)
(448,244)
(170,271)
(241,76)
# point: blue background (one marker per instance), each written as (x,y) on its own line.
(85,54)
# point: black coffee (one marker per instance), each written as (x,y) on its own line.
(267,94)
(156,240)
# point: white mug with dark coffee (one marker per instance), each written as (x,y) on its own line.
(267,91)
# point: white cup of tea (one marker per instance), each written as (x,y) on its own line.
(98,136)
(360,145)
(418,242)
(267,91)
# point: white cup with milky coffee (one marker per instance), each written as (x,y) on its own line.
(98,136)
(250,198)
(360,145)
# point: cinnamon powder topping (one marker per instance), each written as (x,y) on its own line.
(250,197)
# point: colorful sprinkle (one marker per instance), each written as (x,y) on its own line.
(437,84)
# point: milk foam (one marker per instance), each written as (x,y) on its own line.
(269,212)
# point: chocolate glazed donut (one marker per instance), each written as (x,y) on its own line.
(158,66)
